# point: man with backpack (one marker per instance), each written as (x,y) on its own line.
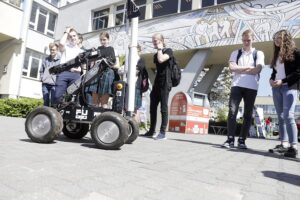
(245,64)
(161,87)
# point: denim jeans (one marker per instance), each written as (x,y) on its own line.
(236,95)
(48,94)
(285,102)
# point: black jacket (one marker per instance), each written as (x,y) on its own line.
(292,71)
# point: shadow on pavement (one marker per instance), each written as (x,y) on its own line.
(93,146)
(249,150)
(283,176)
(30,141)
(198,142)
(62,138)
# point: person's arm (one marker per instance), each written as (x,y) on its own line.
(162,57)
(64,39)
(42,69)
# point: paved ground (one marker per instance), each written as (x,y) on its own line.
(182,167)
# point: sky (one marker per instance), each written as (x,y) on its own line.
(264,88)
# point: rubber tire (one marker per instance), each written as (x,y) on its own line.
(55,124)
(79,132)
(121,124)
(134,130)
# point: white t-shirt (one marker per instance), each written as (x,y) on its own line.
(70,52)
(246,59)
(280,70)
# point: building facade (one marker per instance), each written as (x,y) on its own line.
(202,33)
(26,29)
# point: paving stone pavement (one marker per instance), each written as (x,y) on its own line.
(182,167)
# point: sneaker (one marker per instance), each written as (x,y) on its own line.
(160,136)
(291,153)
(278,149)
(229,143)
(148,134)
(241,143)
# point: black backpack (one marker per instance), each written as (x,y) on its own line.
(175,71)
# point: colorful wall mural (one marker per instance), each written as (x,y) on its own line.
(214,26)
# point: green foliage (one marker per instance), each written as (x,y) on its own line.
(222,114)
(18,107)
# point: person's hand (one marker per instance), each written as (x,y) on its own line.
(160,45)
(276,83)
(68,29)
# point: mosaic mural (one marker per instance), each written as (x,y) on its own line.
(215,26)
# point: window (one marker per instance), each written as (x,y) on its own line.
(206,3)
(32,64)
(17,3)
(185,5)
(120,15)
(42,20)
(224,1)
(164,7)
(141,4)
(100,19)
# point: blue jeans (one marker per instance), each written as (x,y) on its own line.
(48,94)
(63,81)
(285,103)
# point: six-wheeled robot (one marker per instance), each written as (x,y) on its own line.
(109,128)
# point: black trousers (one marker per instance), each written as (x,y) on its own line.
(236,95)
(159,94)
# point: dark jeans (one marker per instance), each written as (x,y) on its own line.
(63,81)
(236,95)
(48,94)
(159,94)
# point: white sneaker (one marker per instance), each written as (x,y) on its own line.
(160,136)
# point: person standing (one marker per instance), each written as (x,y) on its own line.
(49,80)
(161,87)
(101,88)
(285,82)
(69,49)
(245,64)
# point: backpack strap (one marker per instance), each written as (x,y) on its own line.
(254,54)
(238,56)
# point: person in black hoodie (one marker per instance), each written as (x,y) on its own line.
(161,87)
(285,84)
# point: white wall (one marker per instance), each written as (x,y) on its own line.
(37,41)
(11,18)
(78,15)
(30,88)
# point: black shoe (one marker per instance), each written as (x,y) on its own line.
(278,149)
(148,134)
(241,143)
(229,143)
(291,153)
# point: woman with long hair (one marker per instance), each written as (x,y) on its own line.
(285,84)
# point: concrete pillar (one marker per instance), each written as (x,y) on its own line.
(16,73)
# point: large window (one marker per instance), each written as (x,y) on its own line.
(164,7)
(206,3)
(42,20)
(185,5)
(100,19)
(120,15)
(141,4)
(32,64)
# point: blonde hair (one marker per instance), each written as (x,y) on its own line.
(160,37)
(286,49)
(248,32)
(53,44)
(104,34)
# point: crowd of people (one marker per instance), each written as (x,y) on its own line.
(245,64)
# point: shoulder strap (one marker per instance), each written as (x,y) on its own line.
(238,56)
(254,57)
